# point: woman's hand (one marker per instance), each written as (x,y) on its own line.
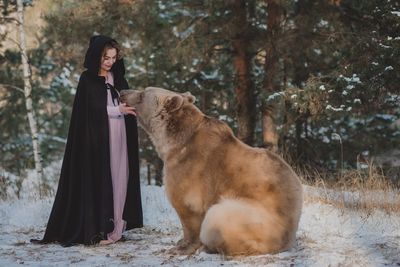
(124,109)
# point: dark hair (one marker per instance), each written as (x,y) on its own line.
(110,45)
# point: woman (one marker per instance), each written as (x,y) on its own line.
(98,194)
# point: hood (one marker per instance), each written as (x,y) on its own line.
(93,57)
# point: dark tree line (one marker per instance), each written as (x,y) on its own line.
(309,79)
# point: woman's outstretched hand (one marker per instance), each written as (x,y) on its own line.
(124,109)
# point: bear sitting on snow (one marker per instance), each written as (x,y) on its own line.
(230,197)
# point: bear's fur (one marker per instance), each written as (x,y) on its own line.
(232,198)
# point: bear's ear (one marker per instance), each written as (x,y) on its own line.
(189,97)
(173,103)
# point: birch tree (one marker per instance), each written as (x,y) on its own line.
(28,96)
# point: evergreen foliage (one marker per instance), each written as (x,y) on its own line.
(337,78)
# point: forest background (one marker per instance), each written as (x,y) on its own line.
(315,81)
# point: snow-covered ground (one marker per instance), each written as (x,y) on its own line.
(327,236)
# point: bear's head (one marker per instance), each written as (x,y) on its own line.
(156,107)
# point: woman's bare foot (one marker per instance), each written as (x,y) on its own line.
(105,242)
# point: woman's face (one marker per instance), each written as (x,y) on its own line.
(108,59)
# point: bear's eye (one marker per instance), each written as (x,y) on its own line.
(141,96)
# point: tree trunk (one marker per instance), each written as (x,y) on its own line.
(28,98)
(245,99)
(300,72)
(148,174)
(269,133)
(271,68)
(158,164)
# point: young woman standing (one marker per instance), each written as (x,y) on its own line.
(98,195)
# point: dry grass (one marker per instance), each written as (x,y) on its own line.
(362,190)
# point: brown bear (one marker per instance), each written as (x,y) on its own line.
(232,198)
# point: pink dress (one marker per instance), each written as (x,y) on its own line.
(118,162)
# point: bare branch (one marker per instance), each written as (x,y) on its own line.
(14,42)
(12,87)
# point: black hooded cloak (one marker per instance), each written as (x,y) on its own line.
(83,208)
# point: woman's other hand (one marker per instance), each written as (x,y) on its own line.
(124,109)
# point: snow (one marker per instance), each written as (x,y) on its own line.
(210,76)
(384,46)
(397,13)
(353,79)
(325,139)
(323,23)
(330,107)
(64,77)
(275,95)
(327,236)
(225,118)
(336,136)
(126,44)
(317,51)
(388,117)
